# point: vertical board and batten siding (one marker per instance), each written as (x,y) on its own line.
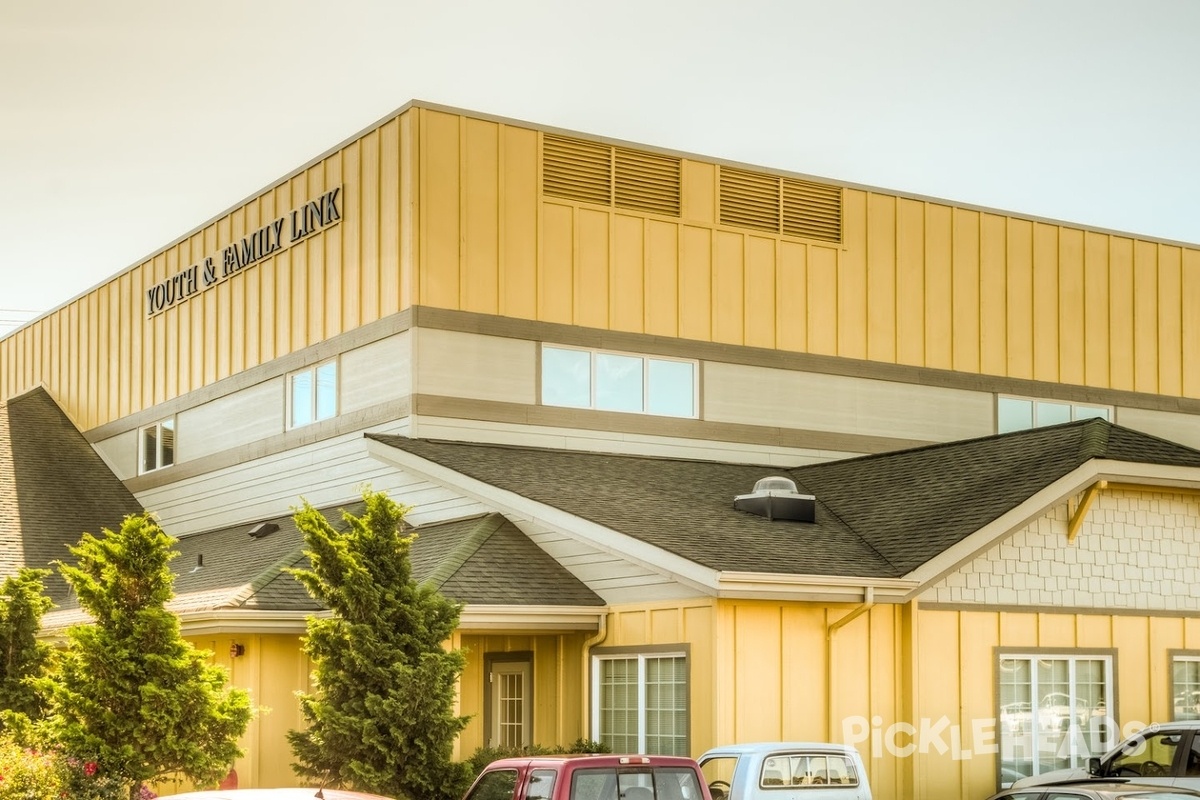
(964,688)
(272,669)
(444,209)
(557,676)
(102,358)
(773,673)
(914,282)
(690,623)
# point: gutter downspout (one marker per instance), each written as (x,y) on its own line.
(585,687)
(831,673)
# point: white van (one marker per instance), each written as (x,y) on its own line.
(785,771)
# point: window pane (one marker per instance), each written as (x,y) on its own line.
(1186,678)
(167,443)
(566,377)
(498,785)
(541,784)
(302,398)
(619,704)
(327,390)
(1013,414)
(618,382)
(666,706)
(672,388)
(1052,413)
(1090,412)
(1054,713)
(149,448)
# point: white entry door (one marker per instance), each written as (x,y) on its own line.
(512,703)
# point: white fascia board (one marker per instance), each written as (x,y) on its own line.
(236,620)
(530,618)
(1069,485)
(515,506)
(819,588)
(472,617)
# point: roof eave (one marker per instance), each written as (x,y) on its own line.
(1162,476)
(815,588)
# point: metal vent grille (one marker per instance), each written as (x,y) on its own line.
(781,205)
(648,182)
(577,170)
(749,200)
(589,172)
(812,209)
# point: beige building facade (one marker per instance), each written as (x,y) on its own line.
(509,289)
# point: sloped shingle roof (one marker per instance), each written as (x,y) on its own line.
(481,560)
(53,487)
(877,516)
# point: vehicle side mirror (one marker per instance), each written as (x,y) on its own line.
(1093,766)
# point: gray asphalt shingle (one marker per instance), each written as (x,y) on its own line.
(877,516)
(53,487)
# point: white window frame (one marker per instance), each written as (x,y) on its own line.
(1076,408)
(645,359)
(312,372)
(157,428)
(1035,731)
(1184,708)
(642,656)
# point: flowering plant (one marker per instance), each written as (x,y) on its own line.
(30,774)
(27,774)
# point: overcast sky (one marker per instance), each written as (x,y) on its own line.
(126,123)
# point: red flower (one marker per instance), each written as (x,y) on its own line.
(89,768)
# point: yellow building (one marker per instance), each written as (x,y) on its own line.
(569,355)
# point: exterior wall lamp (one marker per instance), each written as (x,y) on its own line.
(236,650)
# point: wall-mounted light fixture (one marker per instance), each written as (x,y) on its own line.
(236,650)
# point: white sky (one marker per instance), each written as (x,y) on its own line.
(127,123)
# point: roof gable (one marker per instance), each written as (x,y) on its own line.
(879,516)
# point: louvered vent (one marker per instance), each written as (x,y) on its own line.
(812,209)
(648,182)
(597,173)
(577,170)
(749,200)
(781,205)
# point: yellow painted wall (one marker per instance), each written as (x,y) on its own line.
(445,210)
(691,623)
(272,669)
(782,677)
(964,688)
(557,678)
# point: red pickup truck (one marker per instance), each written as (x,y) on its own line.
(590,777)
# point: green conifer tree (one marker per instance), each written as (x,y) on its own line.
(23,658)
(132,697)
(381,716)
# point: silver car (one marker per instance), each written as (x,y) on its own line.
(1161,755)
(1096,790)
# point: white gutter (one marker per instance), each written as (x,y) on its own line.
(211,622)
(823,588)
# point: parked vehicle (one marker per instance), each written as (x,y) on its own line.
(1096,790)
(311,793)
(590,777)
(1166,754)
(785,771)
